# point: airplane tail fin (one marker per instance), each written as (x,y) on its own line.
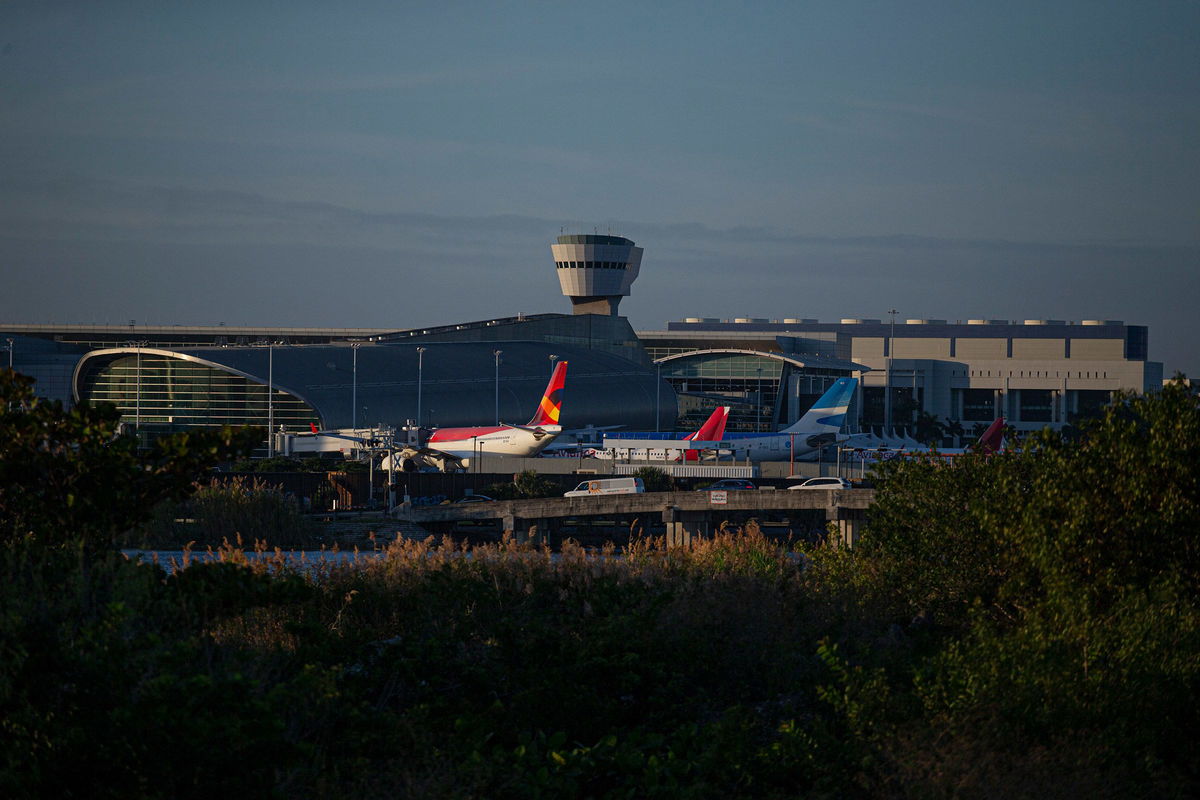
(713,428)
(993,438)
(314,427)
(551,405)
(829,412)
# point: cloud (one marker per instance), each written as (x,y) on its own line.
(83,250)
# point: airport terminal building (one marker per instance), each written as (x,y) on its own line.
(289,379)
(1033,372)
(167,378)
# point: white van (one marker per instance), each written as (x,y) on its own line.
(608,486)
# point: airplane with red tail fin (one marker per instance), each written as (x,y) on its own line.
(712,430)
(521,441)
(989,442)
(992,439)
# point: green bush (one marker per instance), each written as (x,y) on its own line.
(1045,603)
(1025,624)
(226,510)
(525,485)
(68,476)
(655,479)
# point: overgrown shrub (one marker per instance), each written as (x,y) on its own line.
(1023,625)
(525,485)
(224,510)
(655,479)
(68,476)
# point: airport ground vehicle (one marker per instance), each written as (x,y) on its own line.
(823,483)
(607,486)
(729,483)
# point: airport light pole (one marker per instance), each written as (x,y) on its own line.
(497,353)
(758,404)
(354,385)
(553,358)
(658,397)
(10,352)
(420,369)
(137,402)
(887,383)
(271,399)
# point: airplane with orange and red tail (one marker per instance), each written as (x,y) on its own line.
(520,441)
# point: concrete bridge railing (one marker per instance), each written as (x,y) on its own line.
(685,514)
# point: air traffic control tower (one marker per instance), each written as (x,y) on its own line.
(596,271)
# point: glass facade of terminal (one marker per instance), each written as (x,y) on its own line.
(764,393)
(905,403)
(158,394)
(748,384)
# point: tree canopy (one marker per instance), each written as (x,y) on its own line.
(69,475)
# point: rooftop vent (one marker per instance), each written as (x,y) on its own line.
(925,321)
(987,322)
(1102,322)
(798,321)
(856,321)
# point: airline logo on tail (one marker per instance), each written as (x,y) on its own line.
(551,406)
(829,412)
(522,441)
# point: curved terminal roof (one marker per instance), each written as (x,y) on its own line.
(798,360)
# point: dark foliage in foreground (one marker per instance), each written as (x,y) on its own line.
(69,476)
(1015,626)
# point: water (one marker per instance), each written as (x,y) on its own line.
(303,560)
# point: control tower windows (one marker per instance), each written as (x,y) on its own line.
(591,265)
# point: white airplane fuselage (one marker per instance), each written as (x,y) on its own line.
(782,446)
(498,440)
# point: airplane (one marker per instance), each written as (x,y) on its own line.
(328,441)
(572,440)
(819,427)
(989,442)
(712,430)
(455,447)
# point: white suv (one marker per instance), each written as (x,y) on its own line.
(823,483)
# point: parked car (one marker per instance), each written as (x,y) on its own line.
(475,498)
(728,483)
(823,483)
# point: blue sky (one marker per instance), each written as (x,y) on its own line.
(408,164)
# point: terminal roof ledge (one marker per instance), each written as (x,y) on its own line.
(796,360)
